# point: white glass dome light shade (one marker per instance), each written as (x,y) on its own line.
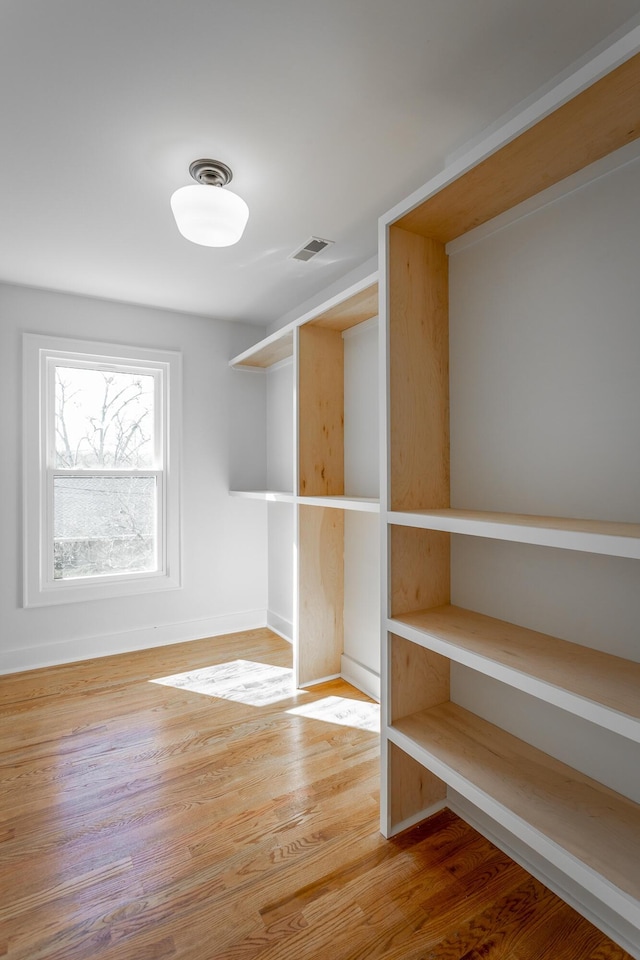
(209,215)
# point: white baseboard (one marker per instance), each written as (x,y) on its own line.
(360,677)
(618,928)
(88,648)
(279,625)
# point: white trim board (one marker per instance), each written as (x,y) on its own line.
(280,625)
(360,677)
(104,645)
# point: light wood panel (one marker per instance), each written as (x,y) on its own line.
(418,372)
(419,678)
(356,309)
(415,789)
(592,823)
(593,679)
(602,118)
(321,593)
(320,412)
(419,569)
(141,820)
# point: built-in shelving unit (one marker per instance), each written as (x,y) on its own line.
(322,497)
(446,667)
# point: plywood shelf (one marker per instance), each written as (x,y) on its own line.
(340,315)
(271,350)
(602,118)
(587,830)
(597,686)
(279,496)
(363,504)
(348,313)
(588,536)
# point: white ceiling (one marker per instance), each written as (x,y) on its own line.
(329,112)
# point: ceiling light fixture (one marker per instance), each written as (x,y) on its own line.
(204,212)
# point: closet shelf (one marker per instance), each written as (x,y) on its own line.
(271,495)
(584,828)
(271,350)
(600,687)
(588,536)
(363,504)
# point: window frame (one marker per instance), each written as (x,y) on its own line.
(41,355)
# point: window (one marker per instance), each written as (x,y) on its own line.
(101,507)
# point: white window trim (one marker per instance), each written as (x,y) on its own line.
(39,589)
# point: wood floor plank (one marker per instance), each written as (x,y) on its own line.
(142,820)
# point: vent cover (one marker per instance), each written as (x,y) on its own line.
(312,248)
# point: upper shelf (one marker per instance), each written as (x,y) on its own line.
(340,313)
(280,496)
(597,686)
(364,504)
(588,536)
(598,120)
(271,350)
(362,306)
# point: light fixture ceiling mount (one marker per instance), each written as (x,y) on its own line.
(211,173)
(204,212)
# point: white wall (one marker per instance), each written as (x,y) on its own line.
(279,432)
(361,411)
(545,401)
(223,539)
(362,589)
(361,479)
(279,407)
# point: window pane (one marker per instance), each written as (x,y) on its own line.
(104,526)
(104,418)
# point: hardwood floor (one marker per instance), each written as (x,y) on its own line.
(220,814)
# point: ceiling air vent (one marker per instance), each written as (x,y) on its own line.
(312,248)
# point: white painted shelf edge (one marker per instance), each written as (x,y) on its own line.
(587,536)
(617,899)
(594,709)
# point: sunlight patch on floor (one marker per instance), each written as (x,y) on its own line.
(243,681)
(340,710)
(262,684)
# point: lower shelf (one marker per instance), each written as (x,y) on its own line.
(588,831)
(594,685)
